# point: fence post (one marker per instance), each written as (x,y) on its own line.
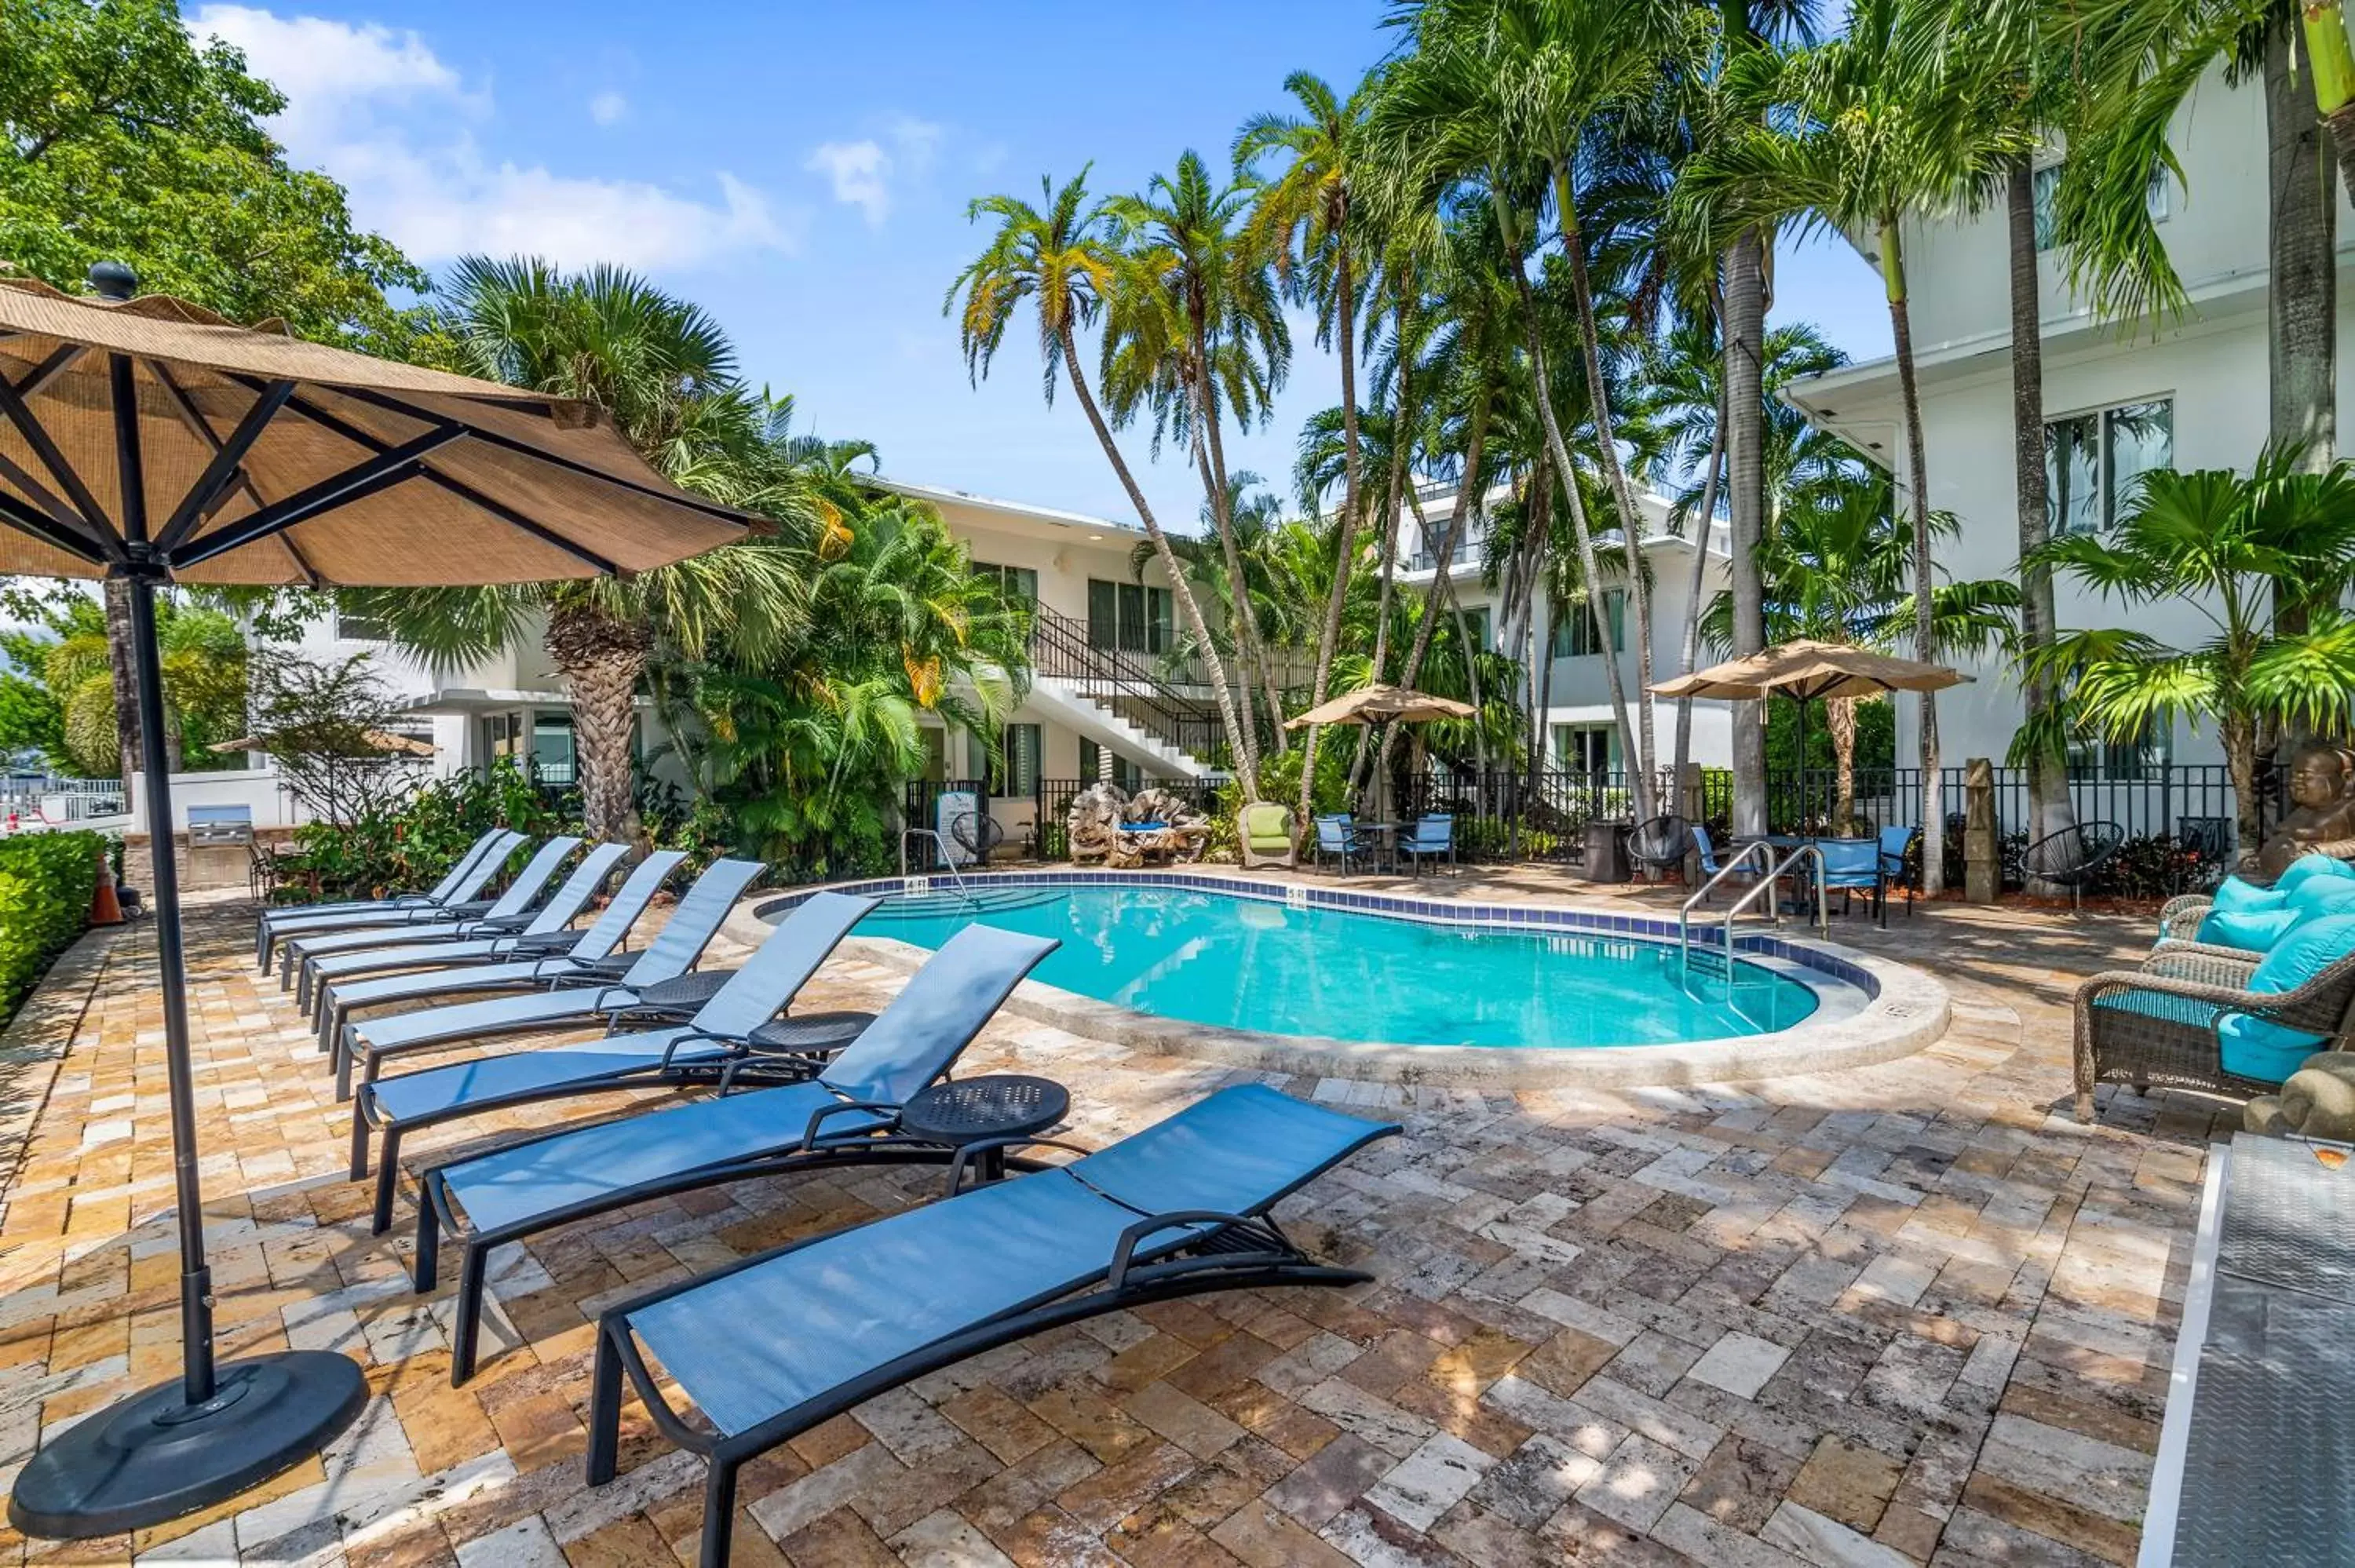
(1982,864)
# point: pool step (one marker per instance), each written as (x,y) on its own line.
(977,903)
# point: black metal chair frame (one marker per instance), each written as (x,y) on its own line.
(1239,1252)
(1646,847)
(2075,873)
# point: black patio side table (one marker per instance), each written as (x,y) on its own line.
(970,1110)
(677,999)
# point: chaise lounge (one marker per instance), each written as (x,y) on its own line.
(455,893)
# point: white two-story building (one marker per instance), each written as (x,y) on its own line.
(2189,394)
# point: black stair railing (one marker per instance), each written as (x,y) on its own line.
(1125,683)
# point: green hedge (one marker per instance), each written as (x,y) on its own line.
(46,882)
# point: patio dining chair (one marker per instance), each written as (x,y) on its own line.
(1897,841)
(2190,1019)
(2073,857)
(1339,836)
(842,1112)
(1705,849)
(1851,866)
(1660,845)
(768,1348)
(1431,838)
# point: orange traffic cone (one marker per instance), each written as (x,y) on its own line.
(105,909)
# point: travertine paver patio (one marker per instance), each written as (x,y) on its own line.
(1913,1313)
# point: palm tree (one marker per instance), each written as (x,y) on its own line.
(1867,138)
(1062,261)
(1306,219)
(1497,99)
(665,372)
(1196,331)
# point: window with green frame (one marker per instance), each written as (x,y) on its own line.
(1576,635)
(1126,776)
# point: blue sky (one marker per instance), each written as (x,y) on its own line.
(802,171)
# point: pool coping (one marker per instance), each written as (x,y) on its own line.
(1904,1009)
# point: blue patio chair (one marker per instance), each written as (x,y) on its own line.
(548,931)
(528,963)
(1896,843)
(698,1050)
(844,1113)
(509,913)
(368,1042)
(453,896)
(1705,847)
(1431,838)
(1338,837)
(1852,866)
(769,1347)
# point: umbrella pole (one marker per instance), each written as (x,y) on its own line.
(181,1447)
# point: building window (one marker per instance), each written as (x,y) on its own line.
(554,760)
(1014,763)
(2045,186)
(1475,621)
(2092,461)
(351,628)
(1128,617)
(1586,748)
(1014,582)
(1470,540)
(2092,760)
(1576,634)
(1126,776)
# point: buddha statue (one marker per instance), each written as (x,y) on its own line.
(2322,815)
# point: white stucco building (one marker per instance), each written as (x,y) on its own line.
(2191,393)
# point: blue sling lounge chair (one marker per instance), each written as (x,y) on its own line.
(697,1050)
(502,963)
(454,893)
(545,932)
(844,1113)
(769,1347)
(367,1042)
(510,913)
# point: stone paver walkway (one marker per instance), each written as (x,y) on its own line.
(1910,1314)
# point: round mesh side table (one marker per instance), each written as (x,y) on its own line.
(678,998)
(1000,1105)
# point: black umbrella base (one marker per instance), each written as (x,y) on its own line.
(152,1457)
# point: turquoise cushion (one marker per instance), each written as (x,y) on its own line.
(2267,1052)
(2232,892)
(2308,865)
(2296,958)
(2252,930)
(2324,895)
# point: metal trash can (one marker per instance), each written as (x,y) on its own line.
(1606,852)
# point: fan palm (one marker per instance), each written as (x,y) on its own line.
(1306,219)
(664,372)
(2226,545)
(1061,260)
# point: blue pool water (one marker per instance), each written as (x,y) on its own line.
(1243,963)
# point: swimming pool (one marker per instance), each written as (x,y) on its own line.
(1261,965)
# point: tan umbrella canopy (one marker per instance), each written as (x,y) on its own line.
(1807,670)
(384,740)
(1382,704)
(153,441)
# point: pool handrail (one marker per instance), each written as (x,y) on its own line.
(1772,878)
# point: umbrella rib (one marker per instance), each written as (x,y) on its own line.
(49,369)
(198,427)
(36,436)
(380,472)
(45,500)
(16,514)
(499,510)
(674,497)
(228,455)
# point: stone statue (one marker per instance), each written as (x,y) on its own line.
(2322,819)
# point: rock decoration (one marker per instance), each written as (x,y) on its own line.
(1103,825)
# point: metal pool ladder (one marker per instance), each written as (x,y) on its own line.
(1773,873)
(948,861)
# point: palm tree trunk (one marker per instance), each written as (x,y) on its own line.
(1474,442)
(1925,624)
(116,594)
(1216,667)
(2302,305)
(1743,332)
(1252,656)
(1639,783)
(2048,764)
(1238,593)
(1345,544)
(1606,444)
(1691,646)
(1400,443)
(1839,717)
(601,657)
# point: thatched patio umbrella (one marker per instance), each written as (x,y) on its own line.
(153,441)
(1382,704)
(1807,672)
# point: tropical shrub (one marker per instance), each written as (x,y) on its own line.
(46,882)
(415,844)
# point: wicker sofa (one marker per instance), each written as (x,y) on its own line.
(2158,1025)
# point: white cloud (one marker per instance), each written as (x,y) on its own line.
(862,172)
(381,113)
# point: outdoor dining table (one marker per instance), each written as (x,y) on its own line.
(1385,844)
